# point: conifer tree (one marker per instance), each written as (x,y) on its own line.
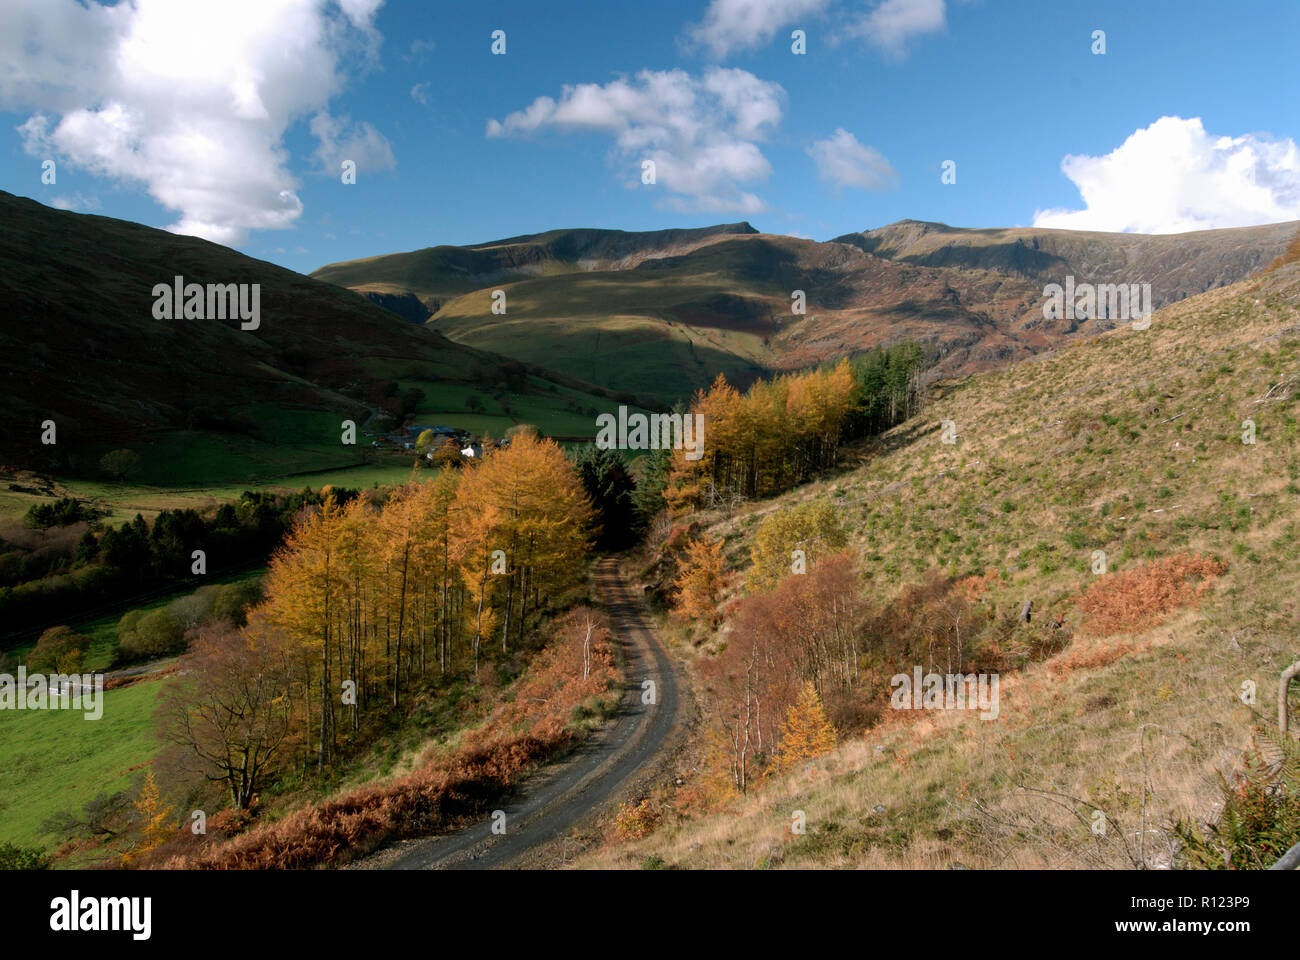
(807,732)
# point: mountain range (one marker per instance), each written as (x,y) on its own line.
(591,318)
(660,313)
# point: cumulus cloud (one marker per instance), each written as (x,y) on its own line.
(729,26)
(701,132)
(192,99)
(1173,176)
(890,24)
(844,162)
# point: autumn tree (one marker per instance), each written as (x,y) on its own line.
(790,540)
(701,574)
(228,707)
(685,483)
(156,821)
(448,455)
(444,591)
(807,732)
(803,631)
(520,531)
(361,593)
(303,587)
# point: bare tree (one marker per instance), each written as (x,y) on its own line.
(228,708)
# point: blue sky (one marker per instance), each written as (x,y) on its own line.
(239,138)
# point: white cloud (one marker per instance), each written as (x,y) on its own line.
(77,201)
(890,24)
(192,99)
(731,25)
(341,139)
(1173,176)
(844,162)
(420,94)
(701,132)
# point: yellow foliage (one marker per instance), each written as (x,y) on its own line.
(700,577)
(156,818)
(807,731)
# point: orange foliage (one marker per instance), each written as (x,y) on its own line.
(1134,600)
(1090,657)
(636,819)
(699,582)
(448,788)
(1290,255)
(807,732)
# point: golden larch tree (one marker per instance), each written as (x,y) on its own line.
(807,731)
(701,574)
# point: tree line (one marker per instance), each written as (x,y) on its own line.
(783,431)
(73,564)
(366,603)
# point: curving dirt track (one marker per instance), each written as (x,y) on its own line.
(563,794)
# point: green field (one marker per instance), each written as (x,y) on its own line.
(125,500)
(555,410)
(56,760)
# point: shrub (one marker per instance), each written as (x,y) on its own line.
(1134,600)
(23,858)
(234,600)
(636,819)
(1260,820)
(157,633)
(59,650)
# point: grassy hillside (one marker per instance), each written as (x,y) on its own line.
(201,401)
(435,274)
(55,761)
(1130,443)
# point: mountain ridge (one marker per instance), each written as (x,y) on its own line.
(665,321)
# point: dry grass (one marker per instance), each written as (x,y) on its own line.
(1137,599)
(1129,443)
